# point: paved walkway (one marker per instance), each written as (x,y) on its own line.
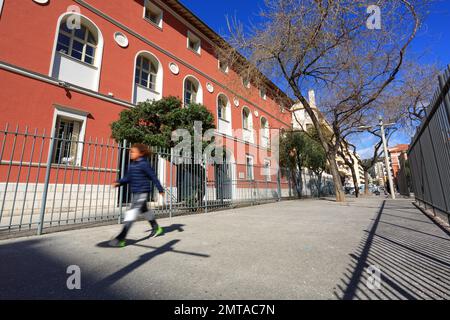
(311,249)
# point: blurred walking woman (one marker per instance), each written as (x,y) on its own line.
(139,176)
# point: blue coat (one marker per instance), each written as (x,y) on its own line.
(139,176)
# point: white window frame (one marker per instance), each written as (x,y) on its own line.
(98,55)
(248,82)
(74,115)
(150,5)
(248,119)
(227,68)
(193,94)
(250,177)
(159,77)
(139,69)
(192,36)
(224,109)
(84,42)
(199,97)
(265,132)
(263,93)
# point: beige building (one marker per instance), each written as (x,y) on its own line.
(380,172)
(302,121)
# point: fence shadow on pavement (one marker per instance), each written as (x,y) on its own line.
(413,258)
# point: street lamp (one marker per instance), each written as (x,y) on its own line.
(386,155)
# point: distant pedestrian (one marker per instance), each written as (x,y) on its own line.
(139,176)
(388,189)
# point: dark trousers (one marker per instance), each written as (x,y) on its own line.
(138,206)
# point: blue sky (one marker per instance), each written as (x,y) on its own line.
(432,43)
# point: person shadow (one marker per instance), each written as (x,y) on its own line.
(172,228)
(99,288)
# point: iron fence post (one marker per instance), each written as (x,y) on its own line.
(279,183)
(445,100)
(252,190)
(439,174)
(46,183)
(206,184)
(170,178)
(122,173)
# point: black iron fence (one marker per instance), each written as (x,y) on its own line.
(429,154)
(57,180)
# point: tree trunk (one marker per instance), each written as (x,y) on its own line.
(319,184)
(300,183)
(297,183)
(366,182)
(340,195)
(355,181)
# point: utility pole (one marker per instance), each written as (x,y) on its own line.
(386,159)
(386,154)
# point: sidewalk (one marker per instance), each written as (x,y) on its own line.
(310,249)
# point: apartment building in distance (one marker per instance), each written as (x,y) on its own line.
(394,154)
(302,121)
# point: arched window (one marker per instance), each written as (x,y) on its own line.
(222,104)
(263,93)
(146,72)
(264,132)
(264,126)
(247,125)
(246,119)
(246,82)
(148,78)
(192,91)
(77,51)
(224,114)
(80,44)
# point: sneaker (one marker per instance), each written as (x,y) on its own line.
(117,243)
(156,232)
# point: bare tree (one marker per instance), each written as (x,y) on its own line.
(408,99)
(349,157)
(304,43)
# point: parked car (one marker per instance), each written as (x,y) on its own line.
(375,190)
(349,189)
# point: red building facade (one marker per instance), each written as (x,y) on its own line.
(69,67)
(124,52)
(395,153)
